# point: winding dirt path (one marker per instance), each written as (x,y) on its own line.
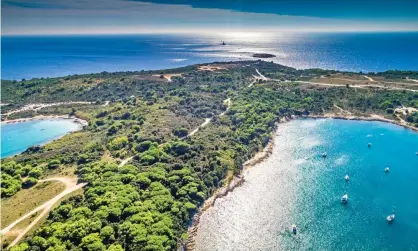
(36,107)
(71,186)
(252,83)
(169,76)
(342,110)
(261,75)
(125,161)
(413,80)
(356,86)
(207,121)
(369,78)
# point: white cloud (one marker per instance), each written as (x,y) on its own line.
(119,16)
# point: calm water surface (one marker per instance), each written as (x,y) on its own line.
(17,137)
(296,186)
(52,56)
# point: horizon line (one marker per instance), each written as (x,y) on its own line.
(200,32)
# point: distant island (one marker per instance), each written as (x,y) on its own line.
(263,55)
(159,143)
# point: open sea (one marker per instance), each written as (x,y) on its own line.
(295,185)
(51,56)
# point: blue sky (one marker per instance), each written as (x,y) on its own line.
(163,16)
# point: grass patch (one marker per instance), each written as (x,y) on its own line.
(28,199)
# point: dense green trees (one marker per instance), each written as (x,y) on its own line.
(12,174)
(413,118)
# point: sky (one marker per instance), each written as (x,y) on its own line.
(24,17)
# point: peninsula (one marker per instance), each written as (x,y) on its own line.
(158,144)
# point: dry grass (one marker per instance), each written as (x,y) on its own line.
(107,157)
(211,68)
(10,236)
(28,199)
(169,76)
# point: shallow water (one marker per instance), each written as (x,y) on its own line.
(295,185)
(17,137)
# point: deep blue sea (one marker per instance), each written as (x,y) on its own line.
(295,185)
(51,56)
(17,137)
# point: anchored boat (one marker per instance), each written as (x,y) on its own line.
(386,169)
(294,229)
(347,178)
(344,199)
(324,155)
(390,218)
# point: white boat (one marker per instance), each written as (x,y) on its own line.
(344,199)
(416,153)
(324,155)
(347,178)
(390,218)
(386,169)
(369,145)
(294,229)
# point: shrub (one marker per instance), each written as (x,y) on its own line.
(36,172)
(112,130)
(180,132)
(54,164)
(30,182)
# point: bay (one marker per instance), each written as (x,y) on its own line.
(17,137)
(295,185)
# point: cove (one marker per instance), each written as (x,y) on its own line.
(17,137)
(295,185)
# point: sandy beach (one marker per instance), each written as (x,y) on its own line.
(44,117)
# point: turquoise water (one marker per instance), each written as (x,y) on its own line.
(296,186)
(17,137)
